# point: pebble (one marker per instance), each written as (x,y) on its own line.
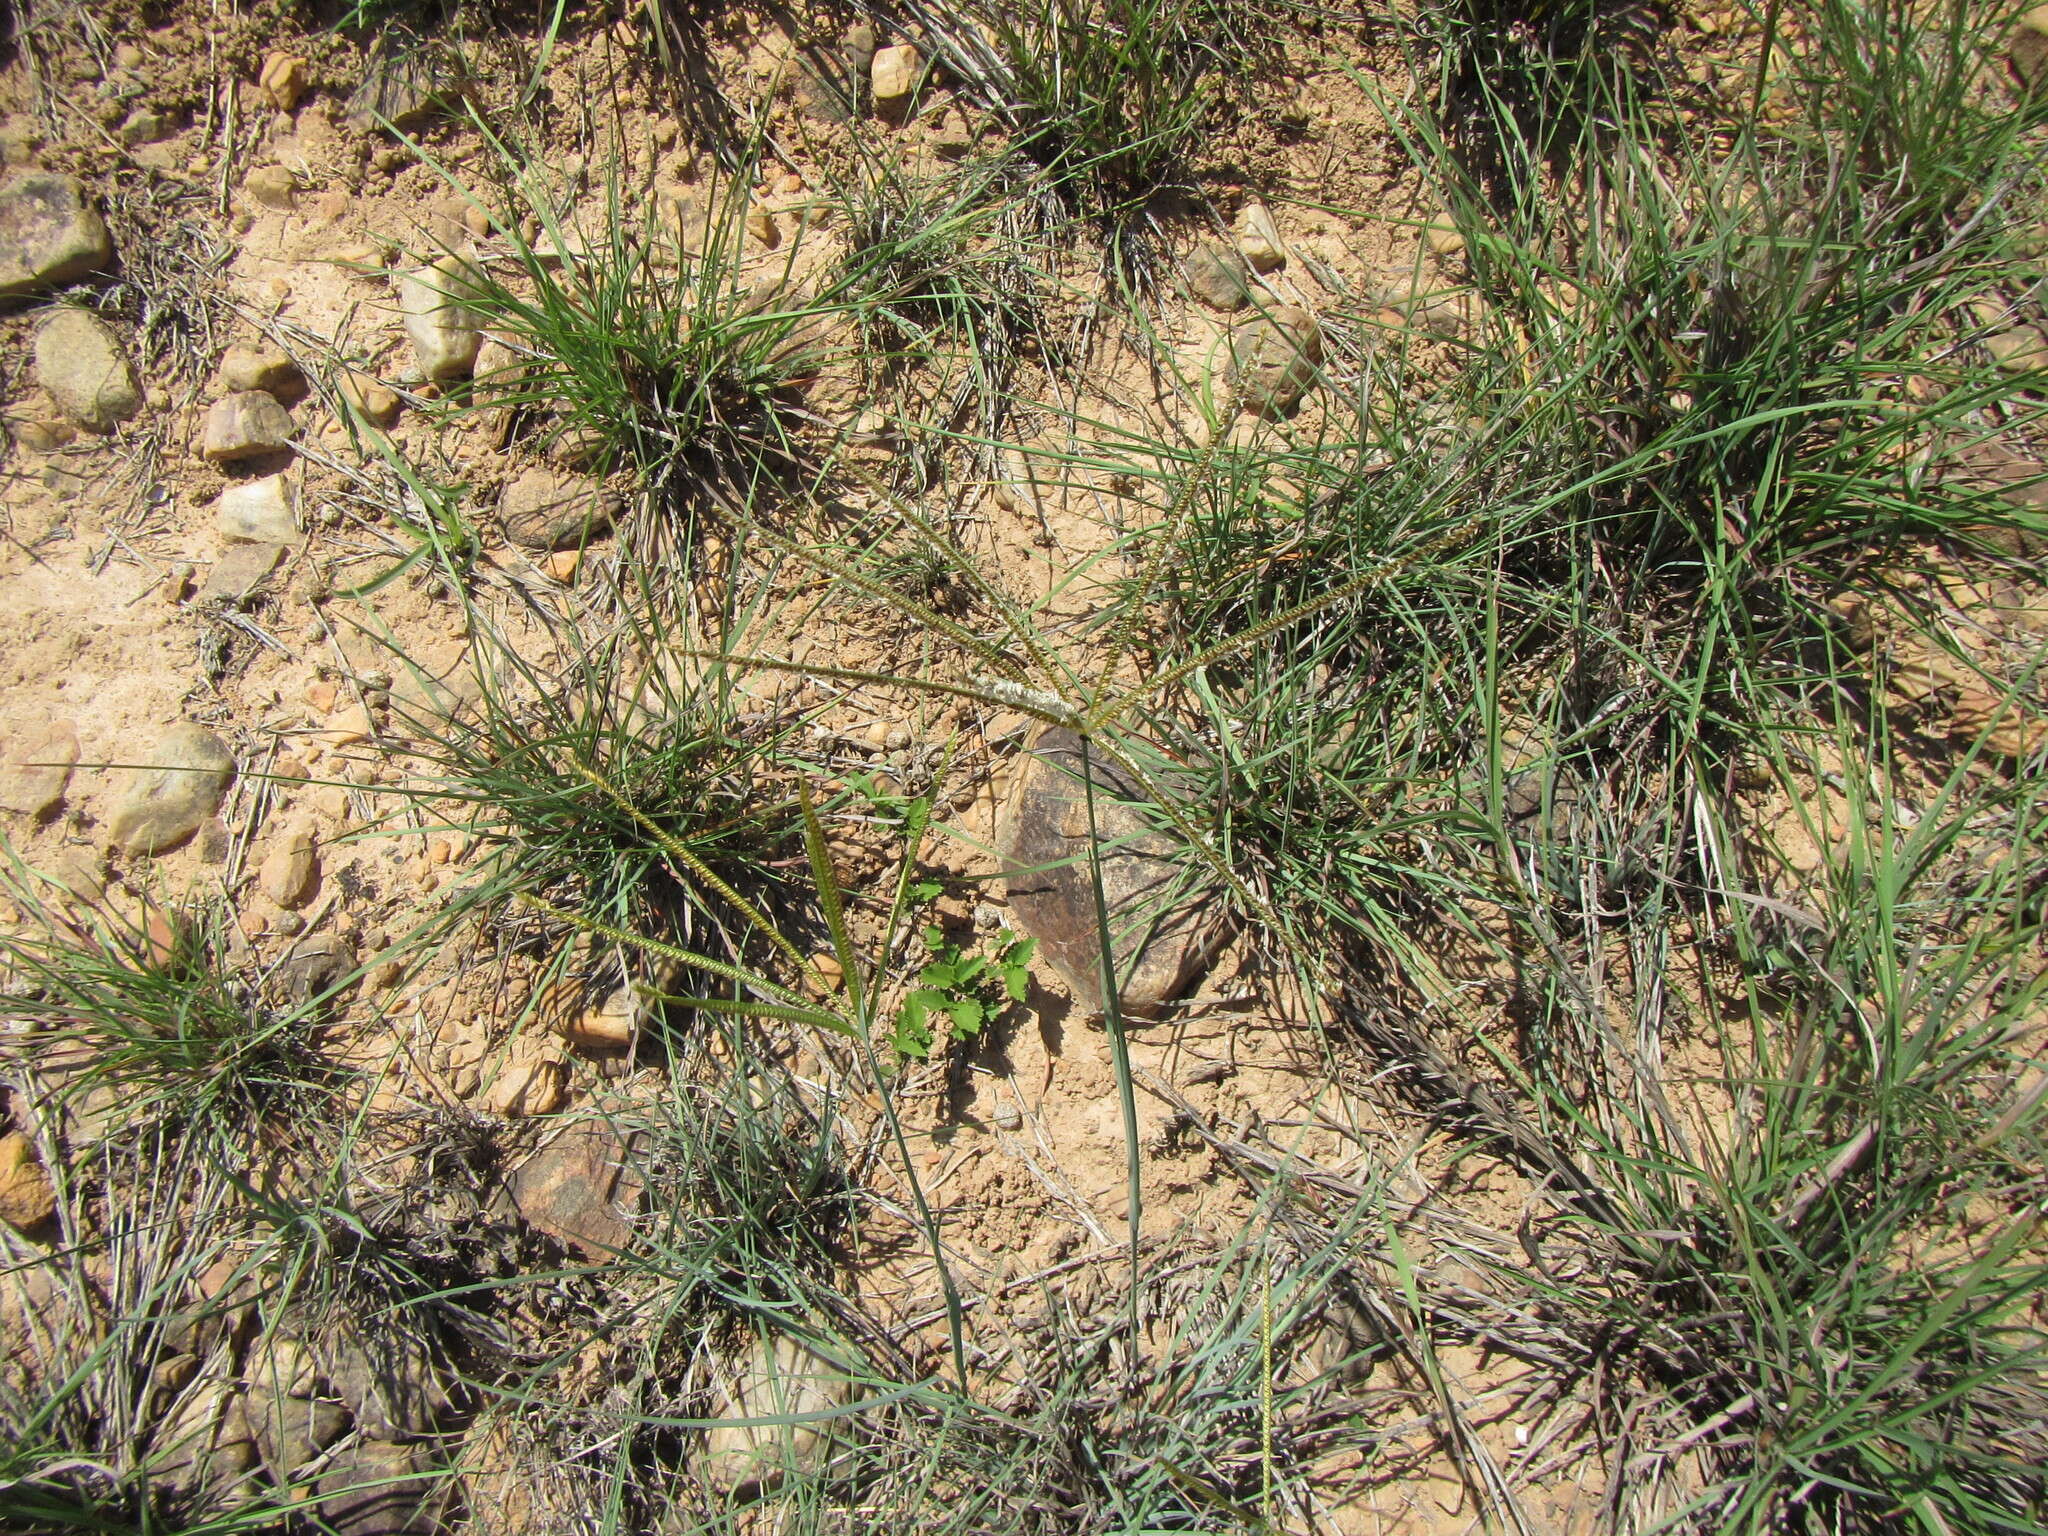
(1217,275)
(371,400)
(283,80)
(349,727)
(39,770)
(544,509)
(1258,238)
(290,870)
(81,362)
(266,368)
(894,73)
(50,234)
(1273,360)
(245,425)
(271,186)
(2028,49)
(445,335)
(256,512)
(27,1198)
(2023,349)
(528,1085)
(898,738)
(611,1025)
(176,789)
(1443,235)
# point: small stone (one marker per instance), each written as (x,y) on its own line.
(402,86)
(1258,237)
(1217,275)
(37,772)
(290,924)
(240,570)
(1273,360)
(179,786)
(376,404)
(50,234)
(178,581)
(761,227)
(530,1083)
(389,1380)
(546,510)
(245,426)
(894,73)
(2023,349)
(290,870)
(349,727)
(831,975)
(2028,49)
(1443,235)
(283,80)
(81,362)
(27,1198)
(273,187)
(1008,1117)
(256,512)
(381,1488)
(1162,935)
(563,565)
(580,1189)
(205,1444)
(611,1025)
(897,738)
(313,965)
(143,127)
(266,368)
(445,334)
(41,435)
(776,1379)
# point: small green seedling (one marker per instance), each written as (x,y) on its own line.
(968,989)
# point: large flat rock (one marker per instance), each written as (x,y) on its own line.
(1165,924)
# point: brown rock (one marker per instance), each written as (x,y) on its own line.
(240,570)
(27,1198)
(83,365)
(33,782)
(376,404)
(376,1488)
(530,1082)
(205,1444)
(50,234)
(611,1025)
(1273,360)
(2029,47)
(289,871)
(314,965)
(266,368)
(578,1188)
(2023,349)
(546,510)
(170,794)
(389,1380)
(1217,275)
(1163,933)
(271,186)
(1258,237)
(776,1378)
(245,426)
(283,80)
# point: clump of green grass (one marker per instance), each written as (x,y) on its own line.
(1110,96)
(644,334)
(156,1016)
